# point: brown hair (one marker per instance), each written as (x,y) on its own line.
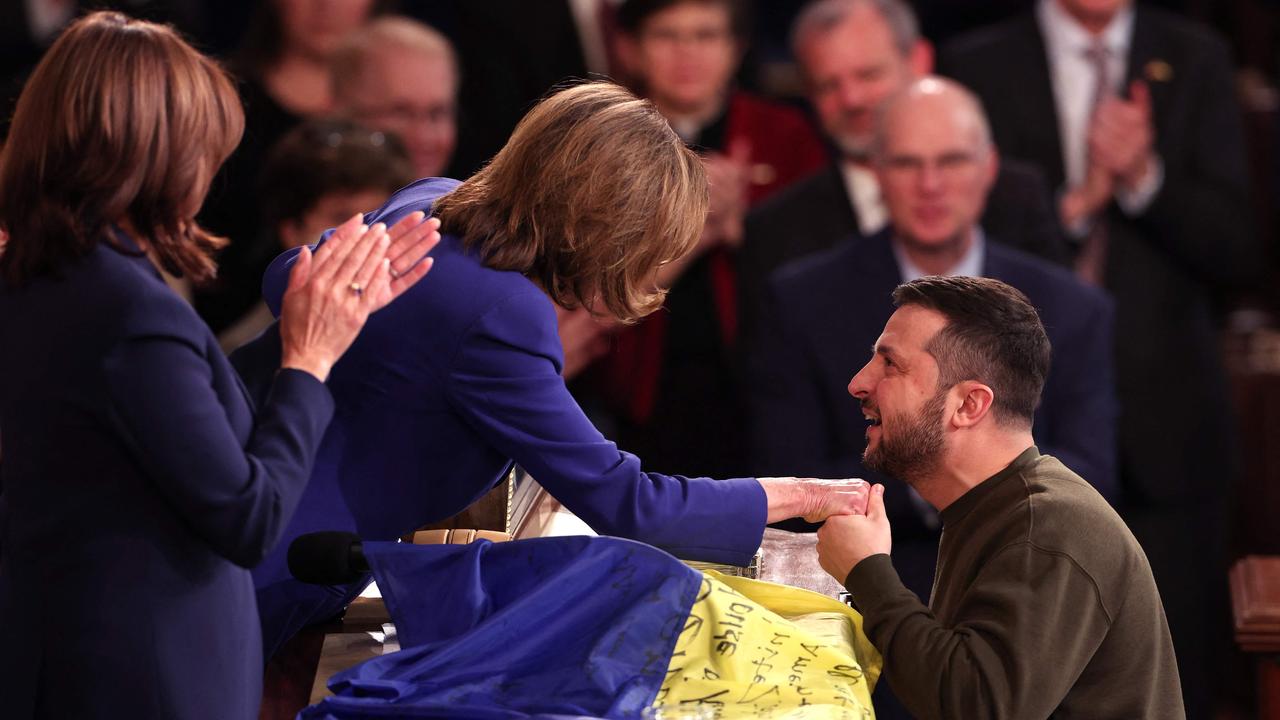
(322,157)
(592,193)
(121,120)
(993,335)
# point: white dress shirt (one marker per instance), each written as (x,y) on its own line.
(864,194)
(1072,74)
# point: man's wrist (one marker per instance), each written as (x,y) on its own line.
(1136,191)
(870,580)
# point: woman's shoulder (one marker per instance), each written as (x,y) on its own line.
(128,291)
(462,283)
(100,299)
(417,195)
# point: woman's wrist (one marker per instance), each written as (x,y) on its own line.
(784,498)
(299,361)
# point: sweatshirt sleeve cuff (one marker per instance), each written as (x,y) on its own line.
(873,583)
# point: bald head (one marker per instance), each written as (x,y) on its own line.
(935,161)
(933,100)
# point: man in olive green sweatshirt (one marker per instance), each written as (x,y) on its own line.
(1043,604)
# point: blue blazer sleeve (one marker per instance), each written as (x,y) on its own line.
(236,496)
(505,382)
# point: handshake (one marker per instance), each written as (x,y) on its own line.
(855,523)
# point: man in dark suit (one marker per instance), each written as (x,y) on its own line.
(855,54)
(936,164)
(1129,112)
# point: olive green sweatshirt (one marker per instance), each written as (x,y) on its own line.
(1043,606)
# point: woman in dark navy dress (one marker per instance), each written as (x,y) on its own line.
(138,484)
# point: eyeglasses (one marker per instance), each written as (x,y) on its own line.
(947,165)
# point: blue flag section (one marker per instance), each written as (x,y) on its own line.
(567,627)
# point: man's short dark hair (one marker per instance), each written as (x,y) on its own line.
(632,14)
(993,335)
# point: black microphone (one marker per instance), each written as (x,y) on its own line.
(331,557)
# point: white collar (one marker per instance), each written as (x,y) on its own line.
(1064,34)
(969,265)
(863,188)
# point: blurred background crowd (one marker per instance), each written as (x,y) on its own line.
(1119,163)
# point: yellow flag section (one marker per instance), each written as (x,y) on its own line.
(753,649)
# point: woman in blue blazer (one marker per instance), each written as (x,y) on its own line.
(450,384)
(138,484)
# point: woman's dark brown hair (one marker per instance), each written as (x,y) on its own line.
(592,193)
(121,121)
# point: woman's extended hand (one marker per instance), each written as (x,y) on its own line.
(813,499)
(332,293)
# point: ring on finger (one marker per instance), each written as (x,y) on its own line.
(357,289)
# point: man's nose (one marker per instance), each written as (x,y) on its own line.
(930,177)
(861,385)
(853,95)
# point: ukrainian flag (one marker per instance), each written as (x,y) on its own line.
(598,627)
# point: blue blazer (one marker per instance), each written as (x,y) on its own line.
(825,313)
(442,391)
(137,487)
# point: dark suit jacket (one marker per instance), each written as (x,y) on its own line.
(815,214)
(1165,266)
(138,486)
(442,391)
(827,310)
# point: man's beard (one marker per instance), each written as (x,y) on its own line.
(913,450)
(855,147)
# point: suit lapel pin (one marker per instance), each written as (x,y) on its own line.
(1158,71)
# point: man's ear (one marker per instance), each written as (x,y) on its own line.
(976,401)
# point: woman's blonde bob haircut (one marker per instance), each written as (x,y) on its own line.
(121,121)
(593,192)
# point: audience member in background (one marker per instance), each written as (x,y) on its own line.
(854,54)
(514,52)
(935,164)
(139,479)
(400,76)
(670,381)
(319,174)
(283,70)
(1044,604)
(1130,113)
(592,194)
